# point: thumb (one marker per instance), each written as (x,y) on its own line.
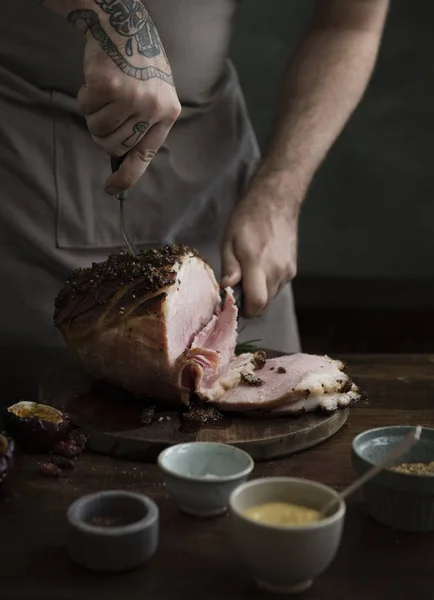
(231,268)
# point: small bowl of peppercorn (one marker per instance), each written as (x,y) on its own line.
(113,530)
(401,496)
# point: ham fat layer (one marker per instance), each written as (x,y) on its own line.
(301,381)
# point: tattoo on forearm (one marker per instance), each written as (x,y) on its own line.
(126,24)
(139,131)
(131,19)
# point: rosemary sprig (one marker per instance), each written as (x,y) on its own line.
(246,347)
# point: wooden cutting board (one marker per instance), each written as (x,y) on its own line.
(113,420)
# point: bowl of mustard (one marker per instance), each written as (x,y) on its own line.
(279,532)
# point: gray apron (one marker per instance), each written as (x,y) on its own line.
(54,214)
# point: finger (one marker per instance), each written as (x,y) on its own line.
(255,291)
(109,119)
(276,278)
(92,99)
(137,160)
(274,285)
(124,138)
(231,268)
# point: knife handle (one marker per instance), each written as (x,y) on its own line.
(238,295)
(116,162)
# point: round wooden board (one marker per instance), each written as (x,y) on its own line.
(113,421)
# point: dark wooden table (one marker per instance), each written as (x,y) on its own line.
(196,559)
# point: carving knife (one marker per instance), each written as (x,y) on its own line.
(115,164)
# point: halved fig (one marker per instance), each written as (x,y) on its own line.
(36,427)
(7,451)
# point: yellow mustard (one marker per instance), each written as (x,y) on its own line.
(282,513)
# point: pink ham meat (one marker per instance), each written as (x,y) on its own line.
(153,325)
(293,384)
(209,378)
(209,367)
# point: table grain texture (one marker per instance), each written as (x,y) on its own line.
(195,559)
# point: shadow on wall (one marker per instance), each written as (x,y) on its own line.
(370,211)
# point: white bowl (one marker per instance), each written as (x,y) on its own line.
(201,476)
(286,559)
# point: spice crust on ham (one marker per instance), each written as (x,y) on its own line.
(154,325)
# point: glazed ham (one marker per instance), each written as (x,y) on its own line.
(155,326)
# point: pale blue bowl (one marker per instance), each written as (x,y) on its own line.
(398,500)
(201,476)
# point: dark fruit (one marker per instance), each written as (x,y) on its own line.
(67,448)
(36,427)
(79,438)
(49,469)
(7,450)
(62,461)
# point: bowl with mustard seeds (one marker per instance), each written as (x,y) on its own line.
(401,496)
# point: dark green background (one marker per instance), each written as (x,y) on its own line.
(370,211)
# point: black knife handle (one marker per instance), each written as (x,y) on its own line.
(116,162)
(238,295)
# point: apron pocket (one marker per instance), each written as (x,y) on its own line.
(87,217)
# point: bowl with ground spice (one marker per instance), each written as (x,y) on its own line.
(112,530)
(401,496)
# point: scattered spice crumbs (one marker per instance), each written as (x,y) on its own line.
(200,413)
(147,415)
(250,379)
(259,359)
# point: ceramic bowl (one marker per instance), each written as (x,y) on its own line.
(200,476)
(112,530)
(286,559)
(398,500)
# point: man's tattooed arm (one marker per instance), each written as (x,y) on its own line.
(128,107)
(125,31)
(131,19)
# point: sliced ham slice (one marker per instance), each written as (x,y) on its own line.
(220,334)
(325,403)
(210,368)
(211,387)
(286,380)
